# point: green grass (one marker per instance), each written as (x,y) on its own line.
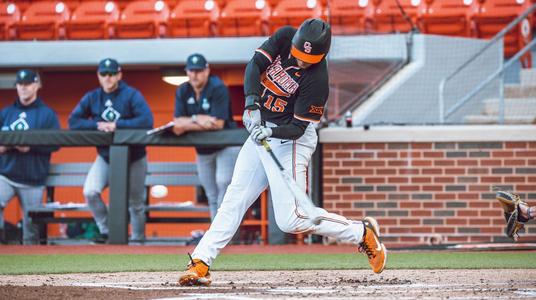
(92,263)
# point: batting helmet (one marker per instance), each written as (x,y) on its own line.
(312,40)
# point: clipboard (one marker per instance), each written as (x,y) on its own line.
(163,128)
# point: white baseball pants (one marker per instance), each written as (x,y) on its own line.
(97,181)
(30,197)
(215,172)
(254,171)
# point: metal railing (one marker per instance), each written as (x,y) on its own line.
(498,37)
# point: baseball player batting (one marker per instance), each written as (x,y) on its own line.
(286,88)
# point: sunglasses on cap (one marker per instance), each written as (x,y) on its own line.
(104,74)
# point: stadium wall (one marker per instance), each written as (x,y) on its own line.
(429,184)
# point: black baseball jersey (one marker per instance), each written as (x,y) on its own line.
(286,91)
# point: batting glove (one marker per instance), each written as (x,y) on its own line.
(260,133)
(252,114)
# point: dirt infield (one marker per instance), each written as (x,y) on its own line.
(347,284)
(354,284)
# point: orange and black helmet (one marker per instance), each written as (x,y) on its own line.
(312,41)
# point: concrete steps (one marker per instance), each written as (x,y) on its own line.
(528,77)
(519,91)
(519,103)
(525,107)
(516,111)
(509,120)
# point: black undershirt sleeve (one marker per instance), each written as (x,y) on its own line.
(252,81)
(263,58)
(292,131)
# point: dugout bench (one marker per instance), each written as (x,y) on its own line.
(158,173)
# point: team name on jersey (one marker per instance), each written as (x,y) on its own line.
(278,75)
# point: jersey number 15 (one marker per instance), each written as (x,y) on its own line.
(276,106)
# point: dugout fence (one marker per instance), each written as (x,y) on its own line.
(120,143)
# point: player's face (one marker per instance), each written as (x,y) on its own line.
(109,81)
(198,78)
(302,64)
(27,92)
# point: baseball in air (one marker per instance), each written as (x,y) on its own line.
(159,191)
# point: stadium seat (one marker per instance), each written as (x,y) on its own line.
(71,4)
(172,3)
(384,16)
(22,5)
(122,4)
(346,16)
(244,18)
(194,18)
(9,14)
(91,20)
(532,2)
(444,17)
(221,3)
(273,3)
(294,13)
(142,19)
(490,17)
(42,21)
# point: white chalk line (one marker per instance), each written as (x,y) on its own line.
(211,296)
(527,292)
(227,285)
(360,291)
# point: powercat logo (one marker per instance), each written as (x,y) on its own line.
(278,81)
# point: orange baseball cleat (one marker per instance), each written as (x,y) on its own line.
(371,246)
(197,274)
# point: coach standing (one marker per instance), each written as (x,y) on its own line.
(23,169)
(203,104)
(114,105)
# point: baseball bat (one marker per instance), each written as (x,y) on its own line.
(301,196)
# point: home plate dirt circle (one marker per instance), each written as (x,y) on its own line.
(332,284)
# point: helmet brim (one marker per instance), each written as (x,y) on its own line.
(305,57)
